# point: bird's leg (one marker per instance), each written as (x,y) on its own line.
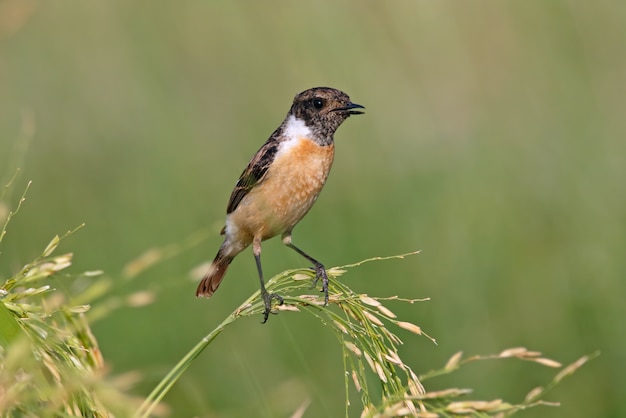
(267,297)
(320,270)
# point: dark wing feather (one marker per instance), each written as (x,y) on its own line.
(254,173)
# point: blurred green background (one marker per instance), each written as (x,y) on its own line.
(494,141)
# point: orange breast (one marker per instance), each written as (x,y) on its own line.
(291,186)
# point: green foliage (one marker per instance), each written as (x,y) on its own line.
(50,361)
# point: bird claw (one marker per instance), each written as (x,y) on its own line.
(320,273)
(267,300)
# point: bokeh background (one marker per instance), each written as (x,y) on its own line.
(494,141)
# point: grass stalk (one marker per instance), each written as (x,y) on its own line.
(50,363)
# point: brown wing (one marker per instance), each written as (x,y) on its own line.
(254,173)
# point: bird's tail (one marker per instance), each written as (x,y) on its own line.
(214,277)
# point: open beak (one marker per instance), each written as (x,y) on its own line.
(349,109)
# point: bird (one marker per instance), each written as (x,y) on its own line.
(280,184)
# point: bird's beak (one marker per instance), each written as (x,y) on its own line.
(348,109)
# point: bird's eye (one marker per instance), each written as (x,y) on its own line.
(318,103)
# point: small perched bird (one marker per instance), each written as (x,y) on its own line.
(280,184)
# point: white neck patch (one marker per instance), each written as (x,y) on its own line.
(296,128)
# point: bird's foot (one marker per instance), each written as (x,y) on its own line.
(267,300)
(320,273)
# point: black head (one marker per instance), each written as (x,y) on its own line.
(323,109)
